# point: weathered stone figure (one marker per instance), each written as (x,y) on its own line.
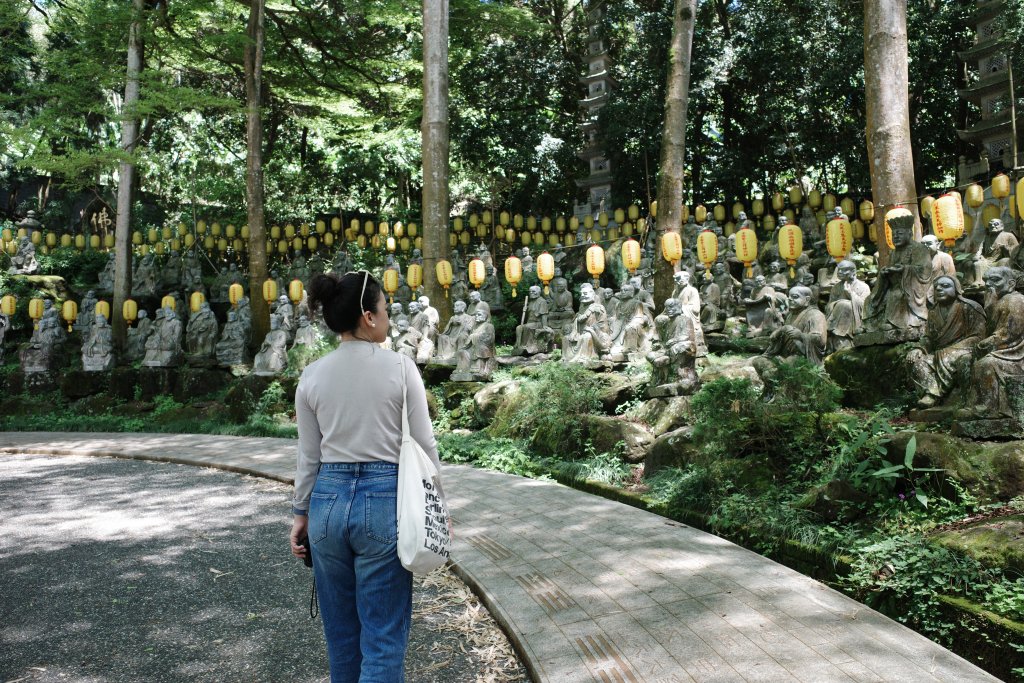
(763,315)
(86,313)
(272,358)
(777,278)
(491,291)
(422,322)
(998,369)
(245,317)
(455,335)
(727,287)
(528,264)
(192,272)
(477,359)
(305,333)
(685,293)
(232,347)
(805,333)
(170,274)
(144,280)
(24,261)
(560,305)
(942,263)
(5,324)
(955,326)
(534,335)
(587,336)
(107,275)
(342,263)
(994,250)
(286,315)
(633,327)
(899,299)
(163,348)
(845,308)
(679,342)
(39,354)
(137,337)
(98,348)
(55,330)
(408,340)
(201,335)
(712,317)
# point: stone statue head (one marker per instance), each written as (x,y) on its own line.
(718,268)
(774,267)
(1000,280)
(846,271)
(932,242)
(559,285)
(760,281)
(282,300)
(460,306)
(637,282)
(474,296)
(807,279)
(303,321)
(91,294)
(902,234)
(273,274)
(403,325)
(716,228)
(995,225)
(101,320)
(243,302)
(482,315)
(946,289)
(232,316)
(526,251)
(142,315)
(424,302)
(204,307)
(396,310)
(161,313)
(416,253)
(534,292)
(414,307)
(672,307)
(169,313)
(799,297)
(587,294)
(628,290)
(805,212)
(743,216)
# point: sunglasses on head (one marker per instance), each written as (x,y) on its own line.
(366,276)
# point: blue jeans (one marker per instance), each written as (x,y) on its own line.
(365,593)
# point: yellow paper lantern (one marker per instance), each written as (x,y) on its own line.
(897,212)
(1020,197)
(321,227)
(839,237)
(196,301)
(453,239)
(719,212)
(847,205)
(360,242)
(270,290)
(335,225)
(443,270)
(768,223)
(215,230)
(144,250)
(707,250)
(297,243)
(545,224)
(79,242)
(829,202)
(383,228)
(757,207)
(620,216)
(975,195)
(628,229)
(595,262)
(51,239)
(553,239)
(94,241)
(503,218)
(796,195)
(526,238)
(69,311)
(729,229)
(700,213)
(866,211)
(108,241)
(289,231)
(37,238)
(66,240)
(545,269)
(129,311)
(328,239)
(927,204)
(238,245)
(235,293)
(486,217)
(570,239)
(510,235)
(231,231)
(295,290)
(513,272)
(201,227)
(159,249)
(392,244)
(633,211)
(222,245)
(791,245)
(414,276)
(588,222)
(353,225)
(778,201)
(948,219)
(405,244)
(858,229)
(189,240)
(35,311)
(465,238)
(814,199)
(538,239)
(654,209)
(275,232)
(8,305)
(746,248)
(631,255)
(602,219)
(477,272)
(208,243)
(560,225)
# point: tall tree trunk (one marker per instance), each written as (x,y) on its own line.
(673,140)
(254,177)
(434,131)
(886,96)
(126,178)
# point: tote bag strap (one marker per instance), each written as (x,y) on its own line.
(405,402)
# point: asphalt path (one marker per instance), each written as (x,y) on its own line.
(123,571)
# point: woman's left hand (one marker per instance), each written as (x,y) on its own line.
(300,524)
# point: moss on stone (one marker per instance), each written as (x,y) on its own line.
(990,471)
(872,375)
(997,542)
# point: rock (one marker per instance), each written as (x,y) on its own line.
(157,382)
(123,382)
(76,384)
(41,382)
(827,501)
(489,399)
(990,471)
(97,405)
(195,382)
(859,371)
(605,433)
(12,383)
(455,392)
(996,542)
(731,367)
(617,389)
(434,374)
(663,414)
(244,394)
(722,343)
(998,429)
(672,449)
(431,404)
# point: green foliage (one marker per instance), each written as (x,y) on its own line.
(605,468)
(693,488)
(548,409)
(79,268)
(769,519)
(500,454)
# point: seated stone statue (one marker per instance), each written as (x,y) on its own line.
(527,260)
(170,274)
(777,278)
(201,335)
(192,273)
(245,317)
(942,358)
(427,327)
(560,306)
(476,360)
(98,348)
(342,263)
(272,358)
(56,330)
(845,309)
(163,348)
(899,299)
(712,317)
(763,315)
(232,349)
(679,342)
(633,326)
(286,315)
(305,333)
(396,312)
(728,288)
(86,313)
(685,293)
(476,303)
(24,260)
(998,371)
(459,290)
(455,335)
(408,340)
(144,280)
(107,275)
(299,270)
(994,250)
(135,349)
(809,225)
(534,335)
(490,291)
(587,337)
(942,263)
(39,354)
(804,334)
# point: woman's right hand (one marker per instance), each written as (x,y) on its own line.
(300,524)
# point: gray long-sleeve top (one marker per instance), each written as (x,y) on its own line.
(349,409)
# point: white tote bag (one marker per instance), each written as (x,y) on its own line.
(424,537)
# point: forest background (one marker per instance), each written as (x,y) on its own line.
(776,93)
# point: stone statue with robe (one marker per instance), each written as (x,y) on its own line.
(587,336)
(272,358)
(138,335)
(98,347)
(897,306)
(232,349)
(997,376)
(201,336)
(477,359)
(763,314)
(534,335)
(633,326)
(678,344)
(455,335)
(845,309)
(805,332)
(163,348)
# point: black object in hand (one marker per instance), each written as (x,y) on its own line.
(308,558)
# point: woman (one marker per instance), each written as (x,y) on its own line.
(349,410)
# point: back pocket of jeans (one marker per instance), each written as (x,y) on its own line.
(320,506)
(382,517)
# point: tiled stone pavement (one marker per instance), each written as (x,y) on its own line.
(593,590)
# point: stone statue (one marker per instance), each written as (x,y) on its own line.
(137,336)
(396,313)
(460,287)
(484,255)
(633,325)
(763,315)
(476,360)
(315,265)
(560,306)
(712,317)
(845,309)
(163,348)
(942,263)
(24,260)
(490,291)
(777,278)
(244,311)
(192,272)
(144,280)
(528,264)
(98,348)
(305,333)
(685,293)
(898,303)
(679,342)
(994,250)
(5,324)
(170,274)
(342,263)
(587,336)
(727,287)
(39,354)
(219,288)
(998,371)
(809,225)
(408,340)
(286,316)
(942,358)
(272,358)
(534,335)
(807,279)
(86,313)
(476,302)
(107,275)
(427,328)
(55,330)
(232,347)
(299,270)
(805,333)
(201,335)
(404,292)
(432,314)
(417,256)
(455,335)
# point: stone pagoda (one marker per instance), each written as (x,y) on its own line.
(599,85)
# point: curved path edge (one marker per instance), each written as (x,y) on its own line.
(594,590)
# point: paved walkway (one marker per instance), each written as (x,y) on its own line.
(593,590)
